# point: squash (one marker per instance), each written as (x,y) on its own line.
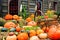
(11,36)
(34,38)
(8,17)
(12,30)
(39,31)
(32,33)
(22,36)
(2,21)
(32,23)
(15,17)
(9,25)
(43,35)
(4,29)
(18,29)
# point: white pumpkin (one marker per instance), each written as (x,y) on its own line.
(11,36)
(43,35)
(34,38)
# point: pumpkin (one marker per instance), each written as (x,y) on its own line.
(15,17)
(18,29)
(9,25)
(54,33)
(11,36)
(20,18)
(43,35)
(39,31)
(34,38)
(22,36)
(8,17)
(32,15)
(32,23)
(32,33)
(28,19)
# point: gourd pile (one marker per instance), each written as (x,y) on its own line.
(30,28)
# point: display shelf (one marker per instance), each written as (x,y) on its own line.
(4,4)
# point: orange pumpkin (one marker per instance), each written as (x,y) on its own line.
(18,29)
(15,17)
(28,19)
(32,33)
(11,36)
(22,36)
(9,25)
(32,23)
(8,17)
(54,32)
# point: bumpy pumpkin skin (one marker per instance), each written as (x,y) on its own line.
(8,17)
(22,36)
(9,25)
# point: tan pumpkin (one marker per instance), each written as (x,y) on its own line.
(22,36)
(11,36)
(9,25)
(43,35)
(34,38)
(15,17)
(8,17)
(32,23)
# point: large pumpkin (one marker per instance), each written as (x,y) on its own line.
(15,17)
(32,23)
(54,33)
(22,36)
(9,25)
(8,17)
(11,36)
(32,33)
(28,19)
